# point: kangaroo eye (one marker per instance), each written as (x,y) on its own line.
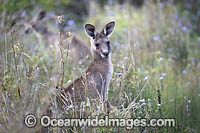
(108,42)
(97,44)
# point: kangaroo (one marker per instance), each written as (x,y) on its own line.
(95,82)
(78,49)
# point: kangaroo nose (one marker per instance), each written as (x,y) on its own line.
(106,53)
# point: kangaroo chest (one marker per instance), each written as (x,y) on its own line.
(98,79)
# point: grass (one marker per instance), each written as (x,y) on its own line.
(156,70)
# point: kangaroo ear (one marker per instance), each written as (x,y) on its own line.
(41,15)
(109,28)
(90,30)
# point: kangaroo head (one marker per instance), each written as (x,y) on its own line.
(100,43)
(37,24)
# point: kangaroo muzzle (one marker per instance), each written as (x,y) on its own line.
(106,53)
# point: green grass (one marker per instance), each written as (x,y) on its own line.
(151,51)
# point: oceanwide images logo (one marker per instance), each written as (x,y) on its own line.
(46,121)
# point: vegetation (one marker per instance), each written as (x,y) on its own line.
(156,62)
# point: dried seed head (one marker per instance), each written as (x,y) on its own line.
(60,20)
